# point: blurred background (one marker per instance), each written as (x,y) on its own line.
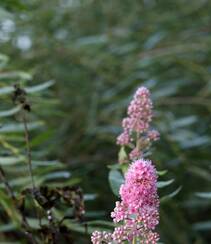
(98,53)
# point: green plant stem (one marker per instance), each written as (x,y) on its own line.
(137,140)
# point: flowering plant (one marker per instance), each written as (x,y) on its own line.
(137,214)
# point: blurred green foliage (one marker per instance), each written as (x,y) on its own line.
(99,52)
(15,179)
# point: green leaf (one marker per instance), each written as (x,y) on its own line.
(116,180)
(15,75)
(7,204)
(41,138)
(90,197)
(3,58)
(95,214)
(6,161)
(6,90)
(114,166)
(164,92)
(92,40)
(206,195)
(185,121)
(196,142)
(101,222)
(202,226)
(122,155)
(34,223)
(13,5)
(7,227)
(9,89)
(162,184)
(56,175)
(171,195)
(200,172)
(23,182)
(10,112)
(162,172)
(19,127)
(54,163)
(154,39)
(69,182)
(40,87)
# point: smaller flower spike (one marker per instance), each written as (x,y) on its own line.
(136,126)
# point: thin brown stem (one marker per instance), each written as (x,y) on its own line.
(29,158)
(28,148)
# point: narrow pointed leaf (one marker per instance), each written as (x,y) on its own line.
(40,87)
(206,195)
(162,184)
(116,180)
(171,195)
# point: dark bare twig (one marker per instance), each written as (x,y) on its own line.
(44,197)
(19,97)
(29,158)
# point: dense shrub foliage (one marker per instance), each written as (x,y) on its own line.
(37,194)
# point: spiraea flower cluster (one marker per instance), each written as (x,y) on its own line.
(136,126)
(137,213)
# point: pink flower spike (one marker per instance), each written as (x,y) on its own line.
(136,126)
(138,211)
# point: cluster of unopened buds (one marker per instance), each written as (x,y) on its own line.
(136,215)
